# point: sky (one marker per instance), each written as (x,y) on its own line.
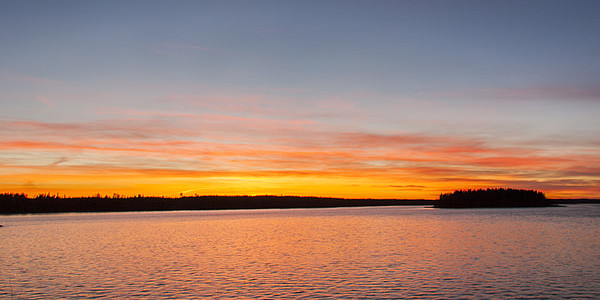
(355,99)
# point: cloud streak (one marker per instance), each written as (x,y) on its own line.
(527,93)
(26,78)
(205,147)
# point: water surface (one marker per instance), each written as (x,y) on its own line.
(369,252)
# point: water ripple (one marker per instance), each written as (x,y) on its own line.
(358,253)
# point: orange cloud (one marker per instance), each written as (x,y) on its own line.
(220,154)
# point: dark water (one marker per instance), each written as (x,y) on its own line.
(393,252)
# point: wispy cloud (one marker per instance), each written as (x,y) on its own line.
(179,145)
(114,128)
(526,93)
(27,78)
(44,100)
(173,48)
(263,105)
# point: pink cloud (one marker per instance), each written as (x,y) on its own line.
(115,128)
(236,146)
(249,103)
(276,106)
(527,93)
(16,77)
(137,113)
(44,100)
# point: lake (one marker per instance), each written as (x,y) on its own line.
(409,252)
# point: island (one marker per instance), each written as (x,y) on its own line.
(498,197)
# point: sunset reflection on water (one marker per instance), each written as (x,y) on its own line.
(396,252)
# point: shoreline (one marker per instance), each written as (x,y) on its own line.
(23,205)
(42,205)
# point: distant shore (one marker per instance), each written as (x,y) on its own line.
(20,204)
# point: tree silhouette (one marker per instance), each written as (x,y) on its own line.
(492,198)
(47,203)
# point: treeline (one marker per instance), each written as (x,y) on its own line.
(493,198)
(20,203)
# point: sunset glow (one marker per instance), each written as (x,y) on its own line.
(344,99)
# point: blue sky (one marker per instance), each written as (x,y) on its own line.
(492,76)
